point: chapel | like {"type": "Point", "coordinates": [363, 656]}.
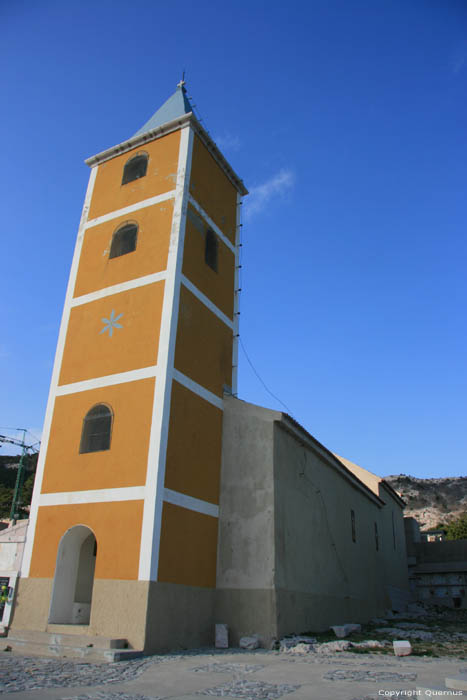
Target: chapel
{"type": "Point", "coordinates": [163, 503]}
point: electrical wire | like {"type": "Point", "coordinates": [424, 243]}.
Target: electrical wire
{"type": "Point", "coordinates": [263, 383]}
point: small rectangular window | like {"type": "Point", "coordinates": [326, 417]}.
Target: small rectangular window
{"type": "Point", "coordinates": [376, 537]}
{"type": "Point", "coordinates": [211, 250]}
{"type": "Point", "coordinates": [393, 530]}
{"type": "Point", "coordinates": [352, 521]}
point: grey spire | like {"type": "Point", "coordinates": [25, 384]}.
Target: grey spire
{"type": "Point", "coordinates": [177, 105]}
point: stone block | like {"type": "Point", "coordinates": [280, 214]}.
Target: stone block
{"type": "Point", "coordinates": [249, 643]}
{"type": "Point", "coordinates": [222, 637]}
{"type": "Point", "coordinates": [402, 648]}
{"type": "Point", "coordinates": [287, 643]}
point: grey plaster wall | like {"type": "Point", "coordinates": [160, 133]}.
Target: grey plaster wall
{"type": "Point", "coordinates": [246, 560]}
{"type": "Point", "coordinates": [246, 523]}
{"type": "Point", "coordinates": [248, 611]}
{"type": "Point", "coordinates": [179, 617]}
{"type": "Point", "coordinates": [323, 577]}
{"type": "Point", "coordinates": [286, 559]}
{"type": "Point", "coordinates": [393, 549]}
{"type": "Point", "coordinates": [412, 535]}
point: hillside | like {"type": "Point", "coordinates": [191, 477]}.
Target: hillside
{"type": "Point", "coordinates": [431, 501]}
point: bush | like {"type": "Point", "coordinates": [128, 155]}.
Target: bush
{"type": "Point", "coordinates": [457, 529]}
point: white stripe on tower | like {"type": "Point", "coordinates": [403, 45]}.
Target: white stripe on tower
{"type": "Point", "coordinates": [152, 514]}
{"type": "Point", "coordinates": [206, 301]}
{"type": "Point", "coordinates": [118, 288]}
{"type": "Point", "coordinates": [184, 501]}
{"type": "Point", "coordinates": [132, 208]}
{"type": "Point", "coordinates": [55, 375]}
{"type": "Point", "coordinates": [129, 493]}
{"type": "Point", "coordinates": [211, 223]}
{"type": "Point", "coordinates": [197, 389]}
{"type": "Point", "coordinates": [133, 375]}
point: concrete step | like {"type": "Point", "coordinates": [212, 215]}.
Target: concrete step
{"type": "Point", "coordinates": [62, 634]}
{"type": "Point", "coordinates": [457, 682]}
{"type": "Point", "coordinates": [77, 646]}
{"type": "Point", "coordinates": [67, 629]}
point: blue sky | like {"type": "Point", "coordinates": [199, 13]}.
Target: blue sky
{"type": "Point", "coordinates": [346, 120]}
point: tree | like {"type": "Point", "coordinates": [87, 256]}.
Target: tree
{"type": "Point", "coordinates": [457, 529]}
{"type": "Point", "coordinates": [6, 496]}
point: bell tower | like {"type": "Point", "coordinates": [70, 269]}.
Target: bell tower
{"type": "Point", "coordinates": [123, 527]}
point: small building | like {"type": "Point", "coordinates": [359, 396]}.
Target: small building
{"type": "Point", "coordinates": [437, 570]}
{"type": "Point", "coordinates": [432, 536]}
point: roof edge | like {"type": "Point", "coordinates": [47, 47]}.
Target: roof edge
{"type": "Point", "coordinates": [294, 427]}
{"type": "Point", "coordinates": [167, 128]}
{"type": "Point", "coordinates": [392, 492]}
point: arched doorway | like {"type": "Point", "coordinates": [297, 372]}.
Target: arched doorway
{"type": "Point", "coordinates": [74, 577]}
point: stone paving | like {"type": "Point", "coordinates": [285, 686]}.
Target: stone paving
{"type": "Point", "coordinates": [111, 696]}
{"type": "Point", "coordinates": [249, 690]}
{"type": "Point", "coordinates": [228, 668]}
{"type": "Point", "coordinates": [229, 673]}
{"type": "Point", "coordinates": [372, 676]}
{"type": "Point", "coordinates": [30, 673]}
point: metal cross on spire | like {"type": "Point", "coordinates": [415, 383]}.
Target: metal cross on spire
{"type": "Point", "coordinates": [182, 81]}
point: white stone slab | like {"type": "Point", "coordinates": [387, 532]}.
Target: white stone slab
{"type": "Point", "coordinates": [402, 648]}
{"type": "Point", "coordinates": [222, 636]}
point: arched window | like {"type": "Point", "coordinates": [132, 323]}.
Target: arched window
{"type": "Point", "coordinates": [124, 240]}
{"type": "Point", "coordinates": [211, 250]}
{"type": "Point", "coordinates": [135, 168]}
{"type": "Point", "coordinates": [97, 428]}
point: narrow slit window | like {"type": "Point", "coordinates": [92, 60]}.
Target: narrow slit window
{"type": "Point", "coordinates": [352, 523]}
{"type": "Point", "coordinates": [211, 250]}
{"type": "Point", "coordinates": [97, 429]}
{"type": "Point", "coordinates": [376, 537]}
{"type": "Point", "coordinates": [135, 168]}
{"type": "Point", "coordinates": [124, 240]}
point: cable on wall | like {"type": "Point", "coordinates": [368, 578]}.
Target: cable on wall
{"type": "Point", "coordinates": [262, 382]}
